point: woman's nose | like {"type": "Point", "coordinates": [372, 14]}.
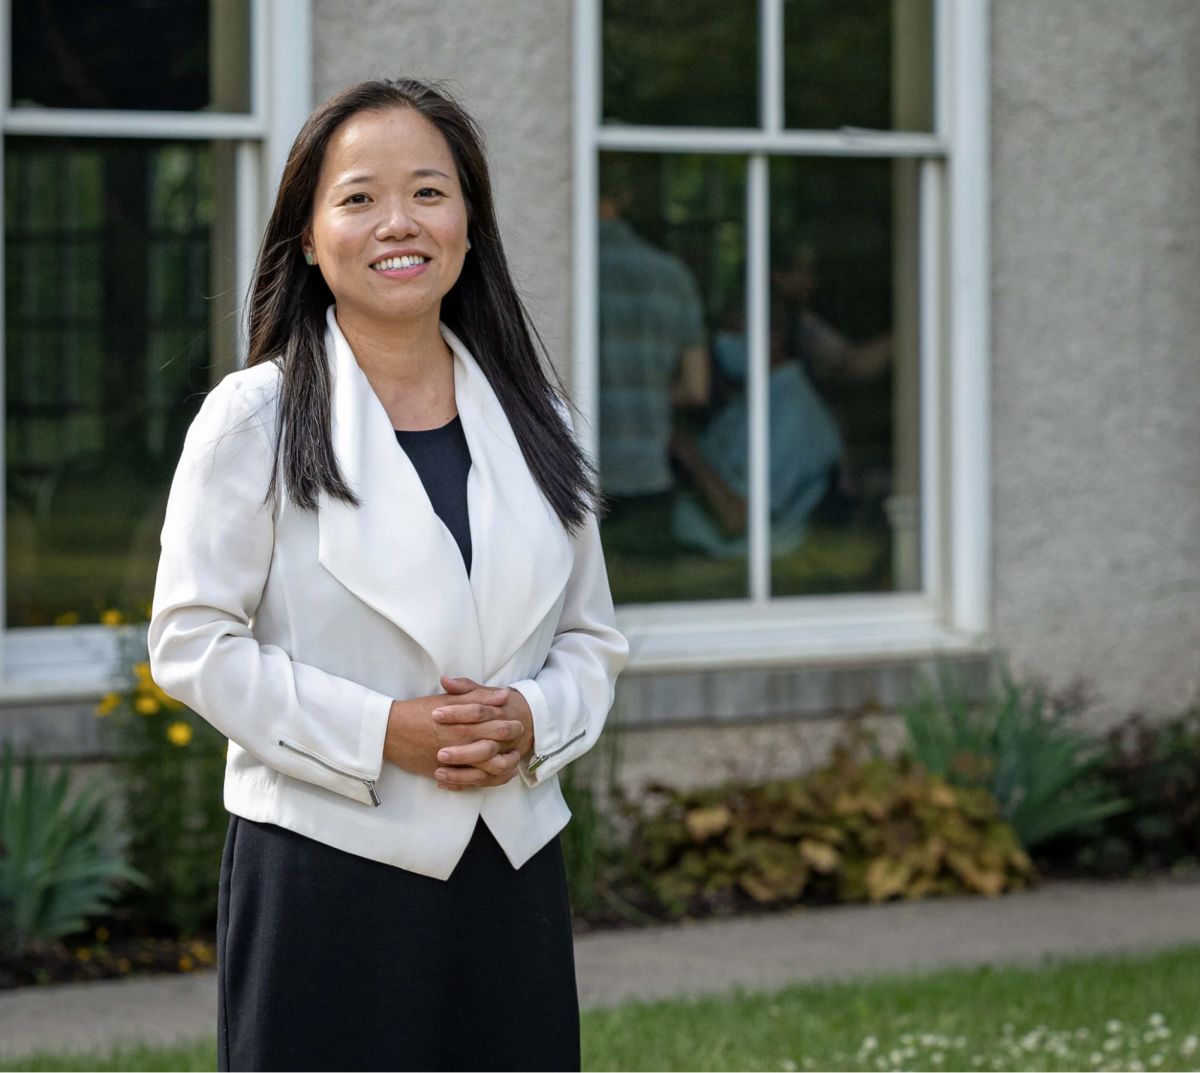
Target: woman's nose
{"type": "Point", "coordinates": [397, 222]}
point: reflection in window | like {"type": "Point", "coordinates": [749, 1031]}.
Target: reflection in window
{"type": "Point", "coordinates": [109, 261]}
{"type": "Point", "coordinates": [668, 63]}
{"type": "Point", "coordinates": [672, 272]}
{"type": "Point", "coordinates": [843, 422]}
{"type": "Point", "coordinates": [146, 55]}
{"type": "Point", "coordinates": [858, 63]}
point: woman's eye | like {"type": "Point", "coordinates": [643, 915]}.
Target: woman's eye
{"type": "Point", "coordinates": [429, 191]}
{"type": "Point", "coordinates": [357, 199]}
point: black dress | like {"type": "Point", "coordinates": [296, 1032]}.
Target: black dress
{"type": "Point", "coordinates": [329, 961]}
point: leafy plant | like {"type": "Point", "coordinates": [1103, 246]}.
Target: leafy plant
{"type": "Point", "coordinates": [172, 770]}
{"type": "Point", "coordinates": [61, 858]}
{"type": "Point", "coordinates": [1020, 747]}
{"type": "Point", "coordinates": [1155, 766]}
{"type": "Point", "coordinates": [854, 831]}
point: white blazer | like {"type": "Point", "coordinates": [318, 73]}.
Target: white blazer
{"type": "Point", "coordinates": [292, 631]}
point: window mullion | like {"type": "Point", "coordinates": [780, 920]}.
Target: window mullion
{"type": "Point", "coordinates": [930, 320]}
{"type": "Point", "coordinates": [585, 374]}
{"type": "Point", "coordinates": [770, 65]}
{"type": "Point", "coordinates": [247, 198]}
{"type": "Point", "coordinates": [758, 329]}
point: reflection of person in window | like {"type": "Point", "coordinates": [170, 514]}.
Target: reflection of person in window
{"type": "Point", "coordinates": [806, 446]}
{"type": "Point", "coordinates": [804, 449]}
{"type": "Point", "coordinates": [653, 357]}
{"type": "Point", "coordinates": [827, 355]}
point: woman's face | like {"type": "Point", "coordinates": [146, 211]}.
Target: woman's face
{"type": "Point", "coordinates": [389, 223]}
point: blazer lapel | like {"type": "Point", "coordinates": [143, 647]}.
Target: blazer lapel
{"type": "Point", "coordinates": [521, 554]}
{"type": "Point", "coordinates": [392, 551]}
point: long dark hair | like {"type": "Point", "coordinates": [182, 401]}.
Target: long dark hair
{"type": "Point", "coordinates": [289, 299]}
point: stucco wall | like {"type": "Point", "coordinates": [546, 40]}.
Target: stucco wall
{"type": "Point", "coordinates": [510, 64]}
{"type": "Point", "coordinates": [1096, 285]}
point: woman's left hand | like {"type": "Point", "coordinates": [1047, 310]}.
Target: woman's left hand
{"type": "Point", "coordinates": [484, 762]}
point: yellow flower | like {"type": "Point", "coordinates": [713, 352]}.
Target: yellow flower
{"type": "Point", "coordinates": [180, 733]}
{"type": "Point", "coordinates": [147, 686]}
{"type": "Point", "coordinates": [123, 965]}
{"type": "Point", "coordinates": [102, 934]}
{"type": "Point", "coordinates": [108, 703]}
{"type": "Point", "coordinates": [147, 705]}
{"type": "Point", "coordinates": [84, 954]}
{"type": "Point", "coordinates": [67, 618]}
{"type": "Point", "coordinates": [111, 617]}
{"type": "Point", "coordinates": [186, 964]}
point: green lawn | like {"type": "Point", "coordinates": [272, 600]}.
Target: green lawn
{"type": "Point", "coordinates": [1108, 1013]}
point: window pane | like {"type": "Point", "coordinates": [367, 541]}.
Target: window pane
{"type": "Point", "coordinates": [108, 263]}
{"type": "Point", "coordinates": [668, 63]}
{"type": "Point", "coordinates": [843, 389]}
{"type": "Point", "coordinates": [672, 305]}
{"type": "Point", "coordinates": [147, 55]}
{"type": "Point", "coordinates": [858, 63]}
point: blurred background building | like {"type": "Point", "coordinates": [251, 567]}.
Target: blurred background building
{"type": "Point", "coordinates": [880, 316]}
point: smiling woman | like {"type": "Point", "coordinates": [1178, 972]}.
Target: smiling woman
{"type": "Point", "coordinates": [382, 579]}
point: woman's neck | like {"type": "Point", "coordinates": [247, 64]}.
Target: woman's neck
{"type": "Point", "coordinates": [408, 365]}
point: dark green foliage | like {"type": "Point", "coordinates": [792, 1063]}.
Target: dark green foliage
{"type": "Point", "coordinates": [1020, 747]}
{"type": "Point", "coordinates": [1155, 766]}
{"type": "Point", "coordinates": [61, 858]}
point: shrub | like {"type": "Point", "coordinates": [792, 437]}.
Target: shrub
{"type": "Point", "coordinates": [854, 831]}
{"type": "Point", "coordinates": [1155, 766]}
{"type": "Point", "coordinates": [1017, 745]}
{"type": "Point", "coordinates": [172, 770]}
{"type": "Point", "coordinates": [61, 859]}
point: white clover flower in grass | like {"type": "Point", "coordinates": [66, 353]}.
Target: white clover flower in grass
{"type": "Point", "coordinates": [937, 1058]}
{"type": "Point", "coordinates": [1081, 1033]}
{"type": "Point", "coordinates": [1096, 1058]}
{"type": "Point", "coordinates": [1156, 1059]}
{"type": "Point", "coordinates": [1112, 1044]}
{"type": "Point", "coordinates": [1113, 1027]}
{"type": "Point", "coordinates": [977, 1060]}
{"type": "Point", "coordinates": [1157, 1020]}
{"type": "Point", "coordinates": [1189, 1045]}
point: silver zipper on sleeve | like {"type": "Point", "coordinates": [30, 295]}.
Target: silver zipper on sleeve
{"type": "Point", "coordinates": [368, 783]}
{"type": "Point", "coordinates": [540, 758]}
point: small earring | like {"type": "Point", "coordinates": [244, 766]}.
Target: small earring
{"type": "Point", "coordinates": [309, 259]}
{"type": "Point", "coordinates": [468, 244]}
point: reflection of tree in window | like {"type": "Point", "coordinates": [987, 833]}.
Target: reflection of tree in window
{"type": "Point", "coordinates": [148, 55]}
{"type": "Point", "coordinates": [107, 339]}
{"type": "Point", "coordinates": [669, 63]}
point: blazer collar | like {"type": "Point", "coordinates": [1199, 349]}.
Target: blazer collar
{"type": "Point", "coordinates": [396, 555]}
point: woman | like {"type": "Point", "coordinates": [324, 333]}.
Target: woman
{"type": "Point", "coordinates": [381, 578]}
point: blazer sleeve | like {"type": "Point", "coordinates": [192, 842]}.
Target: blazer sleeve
{"type": "Point", "coordinates": [217, 544]}
{"type": "Point", "coordinates": [572, 693]}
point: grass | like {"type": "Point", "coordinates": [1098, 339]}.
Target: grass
{"type": "Point", "coordinates": [1140, 1014]}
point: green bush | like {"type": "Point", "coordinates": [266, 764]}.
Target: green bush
{"type": "Point", "coordinates": [1155, 766]}
{"type": "Point", "coordinates": [172, 771]}
{"type": "Point", "coordinates": [854, 831]}
{"type": "Point", "coordinates": [61, 858]}
{"type": "Point", "coordinates": [1018, 746]}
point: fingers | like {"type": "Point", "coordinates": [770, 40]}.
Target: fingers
{"type": "Point", "coordinates": [476, 752]}
{"type": "Point", "coordinates": [480, 705]}
{"type": "Point", "coordinates": [458, 685]}
{"type": "Point", "coordinates": [495, 772]}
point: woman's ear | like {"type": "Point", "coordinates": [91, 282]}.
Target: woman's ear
{"type": "Point", "coordinates": [306, 245]}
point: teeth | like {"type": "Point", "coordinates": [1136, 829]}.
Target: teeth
{"type": "Point", "coordinates": [410, 260]}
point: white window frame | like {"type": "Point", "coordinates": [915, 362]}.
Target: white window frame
{"type": "Point", "coordinates": [74, 663]}
{"type": "Point", "coordinates": [952, 612]}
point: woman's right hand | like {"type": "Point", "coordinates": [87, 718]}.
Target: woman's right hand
{"type": "Point", "coordinates": [414, 738]}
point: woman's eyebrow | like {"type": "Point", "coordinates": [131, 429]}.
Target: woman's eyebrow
{"type": "Point", "coordinates": [366, 177]}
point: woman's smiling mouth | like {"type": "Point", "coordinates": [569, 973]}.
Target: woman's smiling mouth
{"type": "Point", "coordinates": [405, 265]}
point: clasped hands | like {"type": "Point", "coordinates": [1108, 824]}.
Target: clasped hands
{"type": "Point", "coordinates": [468, 736]}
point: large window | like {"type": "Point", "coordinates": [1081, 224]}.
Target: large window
{"type": "Point", "coordinates": [141, 140]}
{"type": "Point", "coordinates": [781, 319]}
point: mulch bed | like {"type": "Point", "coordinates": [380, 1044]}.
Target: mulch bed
{"type": "Point", "coordinates": [100, 956]}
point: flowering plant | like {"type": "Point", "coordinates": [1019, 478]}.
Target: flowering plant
{"type": "Point", "coordinates": [172, 768]}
